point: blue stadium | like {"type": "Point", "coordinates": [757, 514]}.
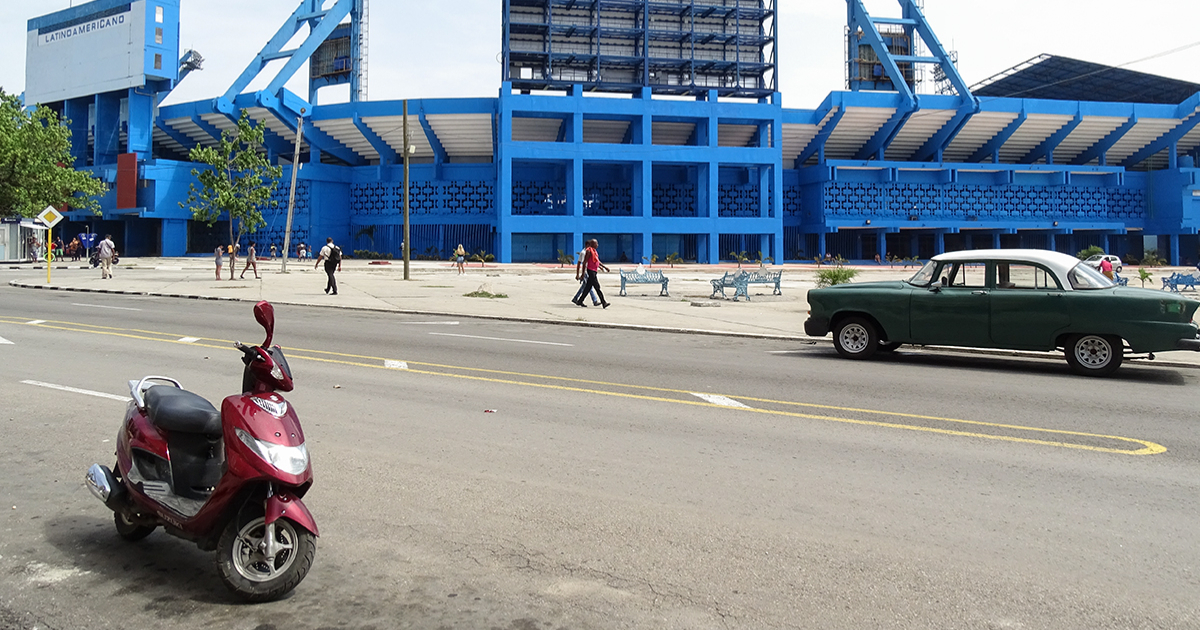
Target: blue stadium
{"type": "Point", "coordinates": [653, 126]}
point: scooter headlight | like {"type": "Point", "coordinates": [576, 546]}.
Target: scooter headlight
{"type": "Point", "coordinates": [292, 460]}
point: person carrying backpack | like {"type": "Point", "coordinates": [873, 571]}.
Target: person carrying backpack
{"type": "Point", "coordinates": [332, 255]}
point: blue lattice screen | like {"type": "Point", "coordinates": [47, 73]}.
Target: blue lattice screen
{"type": "Point", "coordinates": [675, 200]}
{"type": "Point", "coordinates": [608, 199]}
{"type": "Point", "coordinates": [547, 198]}
{"type": "Point", "coordinates": [276, 218]}
{"type": "Point", "coordinates": [428, 198]}
{"type": "Point", "coordinates": [792, 204]}
{"type": "Point", "coordinates": [739, 200]}
{"type": "Point", "coordinates": [964, 201]}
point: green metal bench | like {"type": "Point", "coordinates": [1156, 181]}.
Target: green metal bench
{"type": "Point", "coordinates": [645, 277]}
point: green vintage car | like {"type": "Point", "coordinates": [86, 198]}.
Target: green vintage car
{"type": "Point", "coordinates": [1019, 299]}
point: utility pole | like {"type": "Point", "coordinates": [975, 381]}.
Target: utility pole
{"type": "Point", "coordinates": [287, 234]}
{"type": "Point", "coordinates": [407, 150]}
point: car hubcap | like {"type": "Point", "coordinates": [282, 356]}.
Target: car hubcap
{"type": "Point", "coordinates": [263, 552]}
{"type": "Point", "coordinates": [854, 338]}
{"type": "Point", "coordinates": [1093, 352]}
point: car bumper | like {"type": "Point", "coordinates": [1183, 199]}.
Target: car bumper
{"type": "Point", "coordinates": [816, 327]}
{"type": "Point", "coordinates": [1188, 344]}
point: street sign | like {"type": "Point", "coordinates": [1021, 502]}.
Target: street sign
{"type": "Point", "coordinates": [50, 217]}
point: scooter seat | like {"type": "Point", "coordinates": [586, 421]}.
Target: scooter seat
{"type": "Point", "coordinates": [178, 410]}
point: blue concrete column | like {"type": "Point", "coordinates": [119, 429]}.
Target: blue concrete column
{"type": "Point", "coordinates": [141, 124]}
{"type": "Point", "coordinates": [939, 243]}
{"type": "Point", "coordinates": [647, 245]}
{"type": "Point", "coordinates": [575, 187]}
{"type": "Point", "coordinates": [1174, 250]}
{"type": "Point", "coordinates": [822, 244]}
{"type": "Point", "coordinates": [765, 178]}
{"type": "Point", "coordinates": [1052, 242]}
{"type": "Point", "coordinates": [710, 183]}
{"type": "Point", "coordinates": [174, 237]}
{"type": "Point", "coordinates": [577, 239]}
{"type": "Point", "coordinates": [914, 244]}
{"type": "Point", "coordinates": [995, 240]}
{"type": "Point", "coordinates": [881, 247]}
{"type": "Point", "coordinates": [76, 111]}
{"type": "Point", "coordinates": [713, 242]}
{"type": "Point", "coordinates": [504, 177]}
{"type": "Point", "coordinates": [108, 129]}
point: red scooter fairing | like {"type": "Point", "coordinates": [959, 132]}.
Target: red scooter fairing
{"type": "Point", "coordinates": [264, 428]}
{"type": "Point", "coordinates": [283, 504]}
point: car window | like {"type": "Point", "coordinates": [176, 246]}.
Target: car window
{"type": "Point", "coordinates": [924, 276]}
{"type": "Point", "coordinates": [964, 275]}
{"type": "Point", "coordinates": [1093, 258]}
{"type": "Point", "coordinates": [1083, 277]}
{"type": "Point", "coordinates": [1023, 276]}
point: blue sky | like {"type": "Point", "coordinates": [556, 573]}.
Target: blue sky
{"type": "Point", "coordinates": [449, 48]}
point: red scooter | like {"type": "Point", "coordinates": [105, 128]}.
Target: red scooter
{"type": "Point", "coordinates": [229, 481]}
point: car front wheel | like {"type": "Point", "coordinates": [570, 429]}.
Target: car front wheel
{"type": "Point", "coordinates": [856, 338]}
{"type": "Point", "coordinates": [1094, 355]}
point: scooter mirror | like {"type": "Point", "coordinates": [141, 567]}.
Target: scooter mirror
{"type": "Point", "coordinates": [265, 314]}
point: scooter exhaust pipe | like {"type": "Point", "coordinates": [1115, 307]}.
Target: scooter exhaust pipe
{"type": "Point", "coordinates": [104, 486]}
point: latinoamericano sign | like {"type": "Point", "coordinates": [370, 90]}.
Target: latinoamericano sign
{"type": "Point", "coordinates": [91, 26]}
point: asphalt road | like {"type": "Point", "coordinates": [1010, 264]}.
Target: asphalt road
{"type": "Point", "coordinates": [526, 477]}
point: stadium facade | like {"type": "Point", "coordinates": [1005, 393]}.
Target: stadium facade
{"type": "Point", "coordinates": [654, 126]}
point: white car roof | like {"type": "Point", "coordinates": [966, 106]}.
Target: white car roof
{"type": "Point", "coordinates": [1061, 264]}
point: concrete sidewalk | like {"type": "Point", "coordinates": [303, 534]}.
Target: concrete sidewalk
{"type": "Point", "coordinates": [534, 293]}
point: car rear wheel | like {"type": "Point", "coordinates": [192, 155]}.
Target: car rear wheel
{"type": "Point", "coordinates": [856, 338]}
{"type": "Point", "coordinates": [1094, 355]}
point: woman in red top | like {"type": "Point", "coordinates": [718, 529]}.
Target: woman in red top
{"type": "Point", "coordinates": [592, 265]}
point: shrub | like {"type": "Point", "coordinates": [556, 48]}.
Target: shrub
{"type": "Point", "coordinates": [366, 254]}
{"type": "Point", "coordinates": [1152, 260]}
{"type": "Point", "coordinates": [673, 258]}
{"type": "Point", "coordinates": [1089, 252]}
{"type": "Point", "coordinates": [835, 275]}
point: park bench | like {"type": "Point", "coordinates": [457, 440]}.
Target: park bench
{"type": "Point", "coordinates": [1121, 282]}
{"type": "Point", "coordinates": [741, 281]}
{"type": "Point", "coordinates": [1178, 282]}
{"type": "Point", "coordinates": [643, 276]}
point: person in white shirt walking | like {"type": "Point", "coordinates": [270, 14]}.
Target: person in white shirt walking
{"type": "Point", "coordinates": [107, 251]}
{"type": "Point", "coordinates": [332, 255]}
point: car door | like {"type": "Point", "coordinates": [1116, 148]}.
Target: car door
{"type": "Point", "coordinates": [1028, 307]}
{"type": "Point", "coordinates": [955, 310]}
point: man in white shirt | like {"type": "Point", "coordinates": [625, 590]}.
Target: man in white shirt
{"type": "Point", "coordinates": [332, 255]}
{"type": "Point", "coordinates": [107, 251]}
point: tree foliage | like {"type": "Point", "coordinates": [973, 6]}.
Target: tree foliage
{"type": "Point", "coordinates": [36, 166]}
{"type": "Point", "coordinates": [236, 180]}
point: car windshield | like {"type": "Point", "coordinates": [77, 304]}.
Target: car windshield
{"type": "Point", "coordinates": [1086, 277]}
{"type": "Point", "coordinates": [1094, 258]}
{"type": "Point", "coordinates": [924, 276]}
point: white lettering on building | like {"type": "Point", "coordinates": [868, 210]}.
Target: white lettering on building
{"type": "Point", "coordinates": [86, 28]}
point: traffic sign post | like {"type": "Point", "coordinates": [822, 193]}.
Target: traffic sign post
{"type": "Point", "coordinates": [50, 218]}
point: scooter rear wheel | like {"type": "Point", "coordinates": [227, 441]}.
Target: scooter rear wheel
{"type": "Point", "coordinates": [129, 530]}
{"type": "Point", "coordinates": [261, 563]}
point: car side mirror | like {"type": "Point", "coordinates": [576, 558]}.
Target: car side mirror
{"type": "Point", "coordinates": [933, 288]}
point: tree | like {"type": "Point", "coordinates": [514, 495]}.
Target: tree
{"type": "Point", "coordinates": [36, 167]}
{"type": "Point", "coordinates": [236, 180]}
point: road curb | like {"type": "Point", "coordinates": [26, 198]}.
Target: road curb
{"type": "Point", "coordinates": [608, 325]}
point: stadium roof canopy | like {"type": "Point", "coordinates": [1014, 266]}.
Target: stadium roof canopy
{"type": "Point", "coordinates": [1052, 77]}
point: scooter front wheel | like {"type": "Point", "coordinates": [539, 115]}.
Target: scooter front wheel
{"type": "Point", "coordinates": [261, 562]}
{"type": "Point", "coordinates": [129, 530]}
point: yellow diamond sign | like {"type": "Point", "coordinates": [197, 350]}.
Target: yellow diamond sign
{"type": "Point", "coordinates": [50, 217]}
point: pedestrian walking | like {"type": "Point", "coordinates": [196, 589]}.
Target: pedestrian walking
{"type": "Point", "coordinates": [107, 251]}
{"type": "Point", "coordinates": [582, 278]}
{"type": "Point", "coordinates": [332, 255]}
{"type": "Point", "coordinates": [233, 252]}
{"type": "Point", "coordinates": [274, 251]}
{"type": "Point", "coordinates": [300, 251]}
{"type": "Point", "coordinates": [460, 259]}
{"type": "Point", "coordinates": [219, 253]}
{"type": "Point", "coordinates": [251, 260]}
{"type": "Point", "coordinates": [592, 266]}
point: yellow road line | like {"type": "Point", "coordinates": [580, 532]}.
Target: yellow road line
{"type": "Point", "coordinates": [582, 386]}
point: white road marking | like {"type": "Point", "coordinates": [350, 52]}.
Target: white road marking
{"type": "Point", "coordinates": [115, 308]}
{"type": "Point", "coordinates": [395, 365]}
{"type": "Point", "coordinates": [541, 343]}
{"type": "Point", "coordinates": [5, 342]}
{"type": "Point", "coordinates": [720, 400]}
{"type": "Point", "coordinates": [427, 323]}
{"type": "Point", "coordinates": [76, 390]}
{"type": "Point", "coordinates": [188, 340]}
{"type": "Point", "coordinates": [36, 322]}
